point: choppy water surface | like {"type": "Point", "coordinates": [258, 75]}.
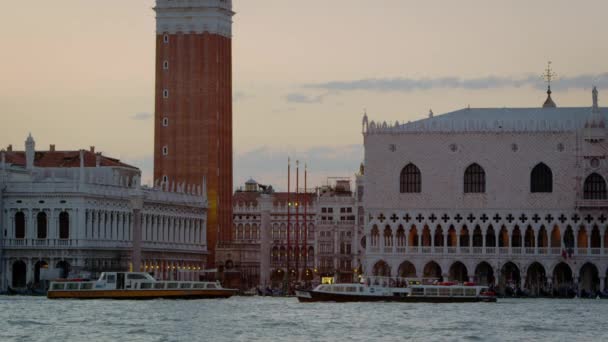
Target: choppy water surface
{"type": "Point", "coordinates": [284, 319]}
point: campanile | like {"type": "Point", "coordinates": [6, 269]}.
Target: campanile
{"type": "Point", "coordinates": [193, 104]}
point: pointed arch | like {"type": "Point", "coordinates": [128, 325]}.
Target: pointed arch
{"type": "Point", "coordinates": [474, 179]}
{"type": "Point", "coordinates": [556, 237]}
{"type": "Point", "coordinates": [410, 180]}
{"type": "Point", "coordinates": [41, 225]}
{"type": "Point", "coordinates": [407, 270]}
{"type": "Point", "coordinates": [438, 236]}
{"type": "Point", "coordinates": [541, 178]}
{"type": "Point", "coordinates": [432, 270]}
{"type": "Point", "coordinates": [595, 187]}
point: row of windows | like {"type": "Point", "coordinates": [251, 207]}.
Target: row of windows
{"type": "Point", "coordinates": [474, 181]}
{"type": "Point", "coordinates": [42, 225]}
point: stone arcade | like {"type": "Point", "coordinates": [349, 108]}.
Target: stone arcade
{"type": "Point", "coordinates": [511, 196]}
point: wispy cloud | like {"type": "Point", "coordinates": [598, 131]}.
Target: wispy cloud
{"type": "Point", "coordinates": [305, 99]}
{"type": "Point", "coordinates": [403, 84]}
{"type": "Point", "coordinates": [143, 116]}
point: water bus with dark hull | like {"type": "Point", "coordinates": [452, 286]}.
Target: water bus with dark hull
{"type": "Point", "coordinates": [405, 291]}
{"type": "Point", "coordinates": [136, 285]}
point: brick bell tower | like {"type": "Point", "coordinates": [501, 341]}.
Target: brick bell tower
{"type": "Point", "coordinates": [193, 104]}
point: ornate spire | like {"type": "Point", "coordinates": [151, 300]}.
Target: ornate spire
{"type": "Point", "coordinates": [548, 76]}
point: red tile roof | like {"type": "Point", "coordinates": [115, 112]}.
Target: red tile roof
{"type": "Point", "coordinates": [63, 159]}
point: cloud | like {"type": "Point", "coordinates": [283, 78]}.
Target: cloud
{"type": "Point", "coordinates": [305, 99]}
{"type": "Point", "coordinates": [401, 84]}
{"type": "Point", "coordinates": [143, 116]}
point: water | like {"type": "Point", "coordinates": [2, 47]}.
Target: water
{"type": "Point", "coordinates": [284, 319]}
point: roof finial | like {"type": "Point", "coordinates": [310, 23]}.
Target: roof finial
{"type": "Point", "coordinates": [430, 113]}
{"type": "Point", "coordinates": [549, 76]}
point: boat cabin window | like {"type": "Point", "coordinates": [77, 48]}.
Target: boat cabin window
{"type": "Point", "coordinates": [171, 285]}
{"type": "Point", "coordinates": [86, 286]}
{"type": "Point", "coordinates": [185, 285]}
{"type": "Point", "coordinates": [431, 292]}
{"type": "Point", "coordinates": [470, 292]}
{"type": "Point", "coordinates": [444, 291]}
{"type": "Point", "coordinates": [199, 285]}
{"type": "Point", "coordinates": [351, 289]}
{"type": "Point", "coordinates": [418, 291]}
{"type": "Point", "coordinates": [339, 289]}
{"type": "Point", "coordinates": [159, 285]}
{"type": "Point", "coordinates": [211, 286]}
{"type": "Point", "coordinates": [360, 288]}
{"type": "Point", "coordinates": [136, 277]}
{"type": "Point", "coordinates": [111, 278]}
{"type": "Point", "coordinates": [72, 286]}
{"type": "Point", "coordinates": [457, 291]}
{"type": "Point", "coordinates": [58, 286]}
{"type": "Point", "coordinates": [145, 285]}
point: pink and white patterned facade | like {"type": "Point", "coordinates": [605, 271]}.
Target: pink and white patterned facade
{"type": "Point", "coordinates": [493, 195]}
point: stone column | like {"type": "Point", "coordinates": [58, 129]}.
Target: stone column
{"type": "Point", "coordinates": [457, 242]}
{"type": "Point", "coordinates": [265, 204]}
{"type": "Point", "coordinates": [602, 283]}
{"type": "Point", "coordinates": [137, 203]}
{"type": "Point", "coordinates": [602, 244]}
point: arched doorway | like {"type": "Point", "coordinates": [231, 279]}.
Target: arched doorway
{"type": "Point", "coordinates": [536, 280]}
{"type": "Point", "coordinates": [407, 270]}
{"type": "Point", "coordinates": [510, 279]}
{"type": "Point", "coordinates": [562, 281]}
{"type": "Point", "coordinates": [458, 272]}
{"type": "Point", "coordinates": [432, 270]}
{"type": "Point", "coordinates": [64, 266]}
{"type": "Point", "coordinates": [589, 281]}
{"type": "Point", "coordinates": [484, 274]}
{"type": "Point", "coordinates": [381, 269]}
{"type": "Point", "coordinates": [19, 274]}
{"type": "Point", "coordinates": [41, 264]}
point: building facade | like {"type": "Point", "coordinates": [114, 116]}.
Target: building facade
{"type": "Point", "coordinates": [65, 213]}
{"type": "Point", "coordinates": [509, 196]}
{"type": "Point", "coordinates": [319, 244]}
{"type": "Point", "coordinates": [193, 107]}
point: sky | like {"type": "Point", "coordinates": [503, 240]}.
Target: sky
{"type": "Point", "coordinates": [80, 73]}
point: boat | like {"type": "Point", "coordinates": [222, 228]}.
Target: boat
{"type": "Point", "coordinates": [409, 291]}
{"type": "Point", "coordinates": [135, 285]}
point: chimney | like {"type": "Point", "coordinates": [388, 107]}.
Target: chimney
{"type": "Point", "coordinates": [9, 148]}
{"type": "Point", "coordinates": [97, 158]}
{"type": "Point", "coordinates": [92, 149]}
{"type": "Point", "coordinates": [52, 148]}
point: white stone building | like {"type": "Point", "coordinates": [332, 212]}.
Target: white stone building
{"type": "Point", "coordinates": [511, 196]}
{"type": "Point", "coordinates": [65, 212]}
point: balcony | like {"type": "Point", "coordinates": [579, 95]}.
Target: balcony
{"type": "Point", "coordinates": [466, 250]}
{"type": "Point", "coordinates": [591, 204]}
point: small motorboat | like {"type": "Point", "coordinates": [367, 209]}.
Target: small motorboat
{"type": "Point", "coordinates": [136, 285]}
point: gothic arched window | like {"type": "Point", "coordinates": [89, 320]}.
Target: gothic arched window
{"type": "Point", "coordinates": [410, 180]}
{"type": "Point", "coordinates": [474, 179]}
{"type": "Point", "coordinates": [541, 179]}
{"type": "Point", "coordinates": [595, 187]}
